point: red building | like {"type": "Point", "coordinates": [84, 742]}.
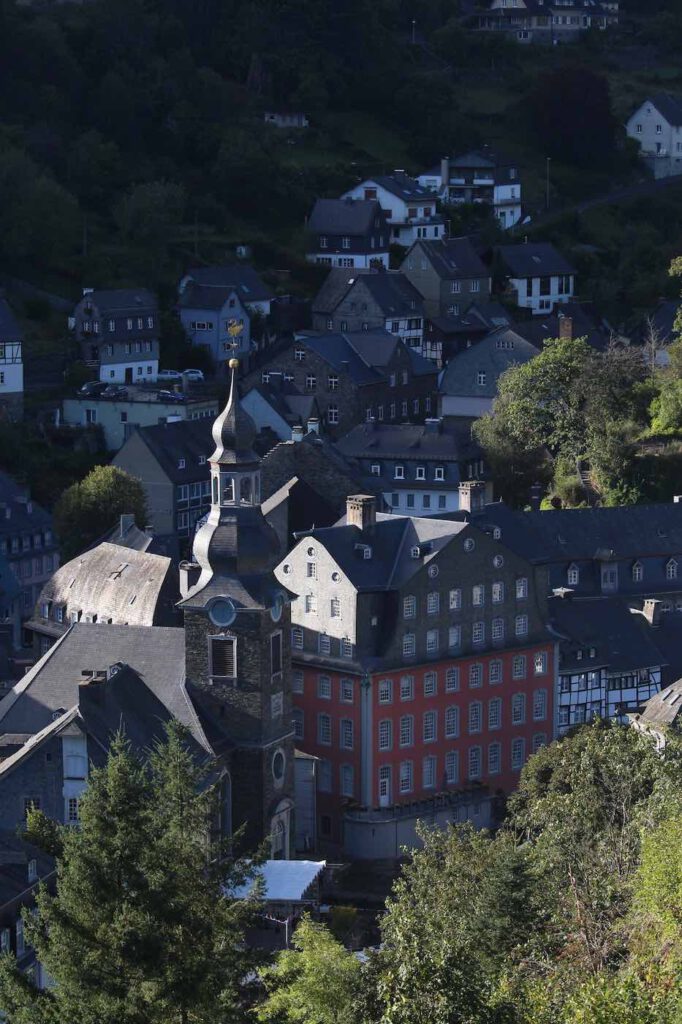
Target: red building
{"type": "Point", "coordinates": [422, 665]}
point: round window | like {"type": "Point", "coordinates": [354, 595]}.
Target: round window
{"type": "Point", "coordinates": [287, 569]}
{"type": "Point", "coordinates": [311, 551]}
{"type": "Point", "coordinates": [222, 612]}
{"type": "Point", "coordinates": [336, 576]}
{"type": "Point", "coordinates": [498, 561]}
{"type": "Point", "coordinates": [278, 765]}
{"type": "Point", "coordinates": [433, 571]}
{"type": "Point", "coordinates": [277, 608]}
{"type": "Point", "coordinates": [469, 544]}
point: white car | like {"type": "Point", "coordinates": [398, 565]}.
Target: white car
{"type": "Point", "coordinates": [169, 375]}
{"type": "Point", "coordinates": [196, 376]}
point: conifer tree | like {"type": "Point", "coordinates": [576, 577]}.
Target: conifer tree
{"type": "Point", "coordinates": [139, 930]}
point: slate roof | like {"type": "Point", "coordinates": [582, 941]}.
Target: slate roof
{"type": "Point", "coordinates": [121, 584]}
{"type": "Point", "coordinates": [669, 107]}
{"type": "Point", "coordinates": [289, 403]}
{"type": "Point", "coordinates": [478, 159]}
{"type": "Point", "coordinates": [663, 319]}
{"type": "Point", "coordinates": [391, 540]}
{"type": "Point", "coordinates": [122, 300]}
{"type": "Point", "coordinates": [453, 258]}
{"type": "Point", "coordinates": [15, 495]}
{"type": "Point", "coordinates": [184, 439]}
{"type": "Point", "coordinates": [344, 216]}
{"type": "Point", "coordinates": [480, 317]}
{"type": "Point", "coordinates": [534, 259]}
{"type": "Point", "coordinates": [362, 354]}
{"type": "Point", "coordinates": [390, 289]}
{"type": "Point", "coordinates": [558, 535]}
{"type": "Point", "coordinates": [622, 639]}
{"type": "Point", "coordinates": [15, 853]}
{"type": "Point", "coordinates": [492, 355]}
{"type": "Point", "coordinates": [241, 276]}
{"type": "Point", "coordinates": [407, 441]}
{"type": "Point", "coordinates": [156, 654]}
{"type": "Point", "coordinates": [537, 330]}
{"type": "Point", "coordinates": [9, 328]}
{"type": "Point", "coordinates": [402, 185]}
{"type": "Point", "coordinates": [664, 707]}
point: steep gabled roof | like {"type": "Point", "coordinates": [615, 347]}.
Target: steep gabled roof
{"type": "Point", "coordinates": [620, 638]}
{"type": "Point", "coordinates": [669, 107]}
{"type": "Point", "coordinates": [211, 287]}
{"type": "Point", "coordinates": [402, 186]}
{"type": "Point", "coordinates": [492, 355]}
{"type": "Point", "coordinates": [453, 258]}
{"type": "Point", "coordinates": [408, 441]}
{"type": "Point", "coordinates": [393, 293]}
{"type": "Point", "coordinates": [170, 443]}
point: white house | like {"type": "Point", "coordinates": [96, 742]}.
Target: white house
{"type": "Point", "coordinates": [11, 364]}
{"type": "Point", "coordinates": [410, 207]}
{"type": "Point", "coordinates": [547, 21]}
{"type": "Point", "coordinates": [538, 275]}
{"type": "Point", "coordinates": [480, 176]}
{"type": "Point", "coordinates": [657, 126]}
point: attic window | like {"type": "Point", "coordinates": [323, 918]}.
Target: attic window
{"type": "Point", "coordinates": [202, 460]}
{"type": "Point", "coordinates": [181, 463]}
{"type": "Point", "coordinates": [497, 533]}
{"type": "Point", "coordinates": [416, 552]}
{"type": "Point", "coordinates": [365, 550]}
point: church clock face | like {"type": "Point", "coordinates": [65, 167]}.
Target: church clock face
{"type": "Point", "coordinates": [222, 612]}
{"type": "Point", "coordinates": [277, 608]}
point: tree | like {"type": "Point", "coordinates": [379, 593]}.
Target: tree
{"type": "Point", "coordinates": [449, 924]}
{"type": "Point", "coordinates": [86, 510]}
{"type": "Point", "coordinates": [316, 982]}
{"type": "Point", "coordinates": [139, 931]}
{"type": "Point", "coordinates": [570, 112]}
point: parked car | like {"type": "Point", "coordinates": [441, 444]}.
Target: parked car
{"type": "Point", "coordinates": [115, 391]}
{"type": "Point", "coordinates": [170, 396]}
{"type": "Point", "coordinates": [169, 375]}
{"type": "Point", "coordinates": [195, 376]}
{"type": "Point", "coordinates": [92, 388]}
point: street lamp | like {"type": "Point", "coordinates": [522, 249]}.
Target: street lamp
{"type": "Point", "coordinates": [549, 160]}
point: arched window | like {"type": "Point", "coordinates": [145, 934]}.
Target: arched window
{"type": "Point", "coordinates": [245, 490]}
{"type": "Point", "coordinates": [215, 490]}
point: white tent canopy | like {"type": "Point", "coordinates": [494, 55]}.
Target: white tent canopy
{"type": "Point", "coordinates": [284, 881]}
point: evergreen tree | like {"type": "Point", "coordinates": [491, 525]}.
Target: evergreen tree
{"type": "Point", "coordinates": [139, 930]}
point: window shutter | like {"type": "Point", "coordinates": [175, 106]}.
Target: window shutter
{"type": "Point", "coordinates": [223, 657]}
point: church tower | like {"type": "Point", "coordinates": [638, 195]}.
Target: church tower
{"type": "Point", "coordinates": [237, 635]}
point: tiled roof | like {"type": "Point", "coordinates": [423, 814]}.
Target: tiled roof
{"type": "Point", "coordinates": [402, 185]}
{"type": "Point", "coordinates": [539, 329]}
{"type": "Point", "coordinates": [344, 216]}
{"type": "Point", "coordinates": [480, 317]}
{"type": "Point", "coordinates": [210, 287]}
{"type": "Point", "coordinates": [664, 707]}
{"type": "Point", "coordinates": [491, 355]}
{"type": "Point", "coordinates": [559, 535]}
{"type": "Point", "coordinates": [534, 259]}
{"type": "Point", "coordinates": [394, 294]}
{"type": "Point", "coordinates": [670, 107]}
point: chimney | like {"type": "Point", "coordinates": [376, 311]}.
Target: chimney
{"type": "Point", "coordinates": [313, 425]}
{"type": "Point", "coordinates": [471, 495]}
{"type": "Point", "coordinates": [189, 574]}
{"type": "Point", "coordinates": [88, 291]}
{"type": "Point", "coordinates": [535, 496]}
{"type": "Point", "coordinates": [445, 171]}
{"type": "Point", "coordinates": [361, 510]}
{"type": "Point", "coordinates": [652, 611]}
{"type": "Point", "coordinates": [297, 433]}
{"type": "Point", "coordinates": [127, 523]}
{"type": "Point", "coordinates": [90, 686]}
{"type": "Point", "coordinates": [565, 327]}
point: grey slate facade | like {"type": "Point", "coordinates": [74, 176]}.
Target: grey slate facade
{"type": "Point", "coordinates": [117, 330]}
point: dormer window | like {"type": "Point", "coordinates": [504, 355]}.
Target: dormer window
{"type": "Point", "coordinates": [637, 572]}
{"type": "Point", "coordinates": [202, 460]}
{"type": "Point", "coordinates": [181, 463]}
{"type": "Point", "coordinates": [573, 575]}
{"type": "Point", "coordinates": [421, 473]}
{"type": "Point", "coordinates": [671, 570]}
{"type": "Point", "coordinates": [399, 473]}
{"type": "Point", "coordinates": [375, 469]}
{"type": "Point", "coordinates": [439, 473]}
{"type": "Point", "coordinates": [416, 552]}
